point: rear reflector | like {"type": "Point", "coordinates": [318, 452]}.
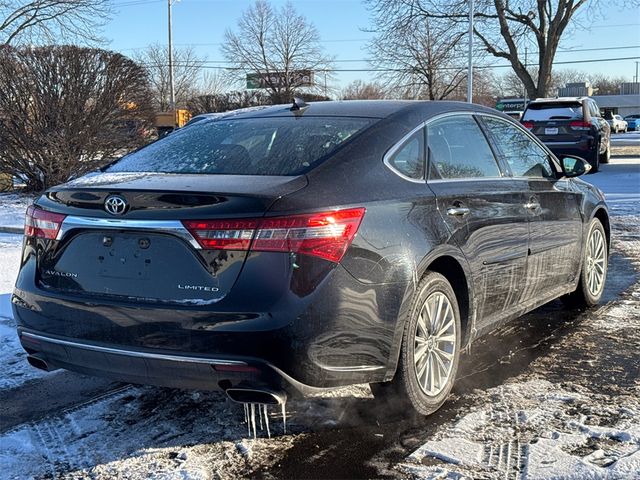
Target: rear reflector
{"type": "Point", "coordinates": [326, 235]}
{"type": "Point", "coordinates": [528, 125]}
{"type": "Point", "coordinates": [42, 224]}
{"type": "Point", "coordinates": [236, 368]}
{"type": "Point", "coordinates": [580, 125]}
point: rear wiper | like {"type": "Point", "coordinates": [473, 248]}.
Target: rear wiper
{"type": "Point", "coordinates": [559, 117]}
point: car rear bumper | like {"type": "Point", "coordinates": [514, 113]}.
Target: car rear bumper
{"type": "Point", "coordinates": [158, 368]}
{"type": "Point", "coordinates": [341, 332]}
{"type": "Point", "coordinates": [583, 148]}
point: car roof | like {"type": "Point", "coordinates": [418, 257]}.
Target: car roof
{"type": "Point", "coordinates": [357, 108]}
{"type": "Point", "coordinates": [558, 100]}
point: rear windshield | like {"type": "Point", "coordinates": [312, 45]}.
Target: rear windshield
{"type": "Point", "coordinates": [553, 111]}
{"type": "Point", "coordinates": [255, 146]}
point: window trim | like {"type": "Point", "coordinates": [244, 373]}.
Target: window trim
{"type": "Point", "coordinates": [386, 159]}
{"type": "Point", "coordinates": [472, 114]}
{"type": "Point", "coordinates": [550, 156]}
{"type": "Point", "coordinates": [505, 174]}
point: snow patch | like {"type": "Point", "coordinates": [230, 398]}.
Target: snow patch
{"type": "Point", "coordinates": [534, 429]}
{"type": "Point", "coordinates": [12, 209]}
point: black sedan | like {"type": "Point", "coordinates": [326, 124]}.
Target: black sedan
{"type": "Point", "coordinates": [294, 248]}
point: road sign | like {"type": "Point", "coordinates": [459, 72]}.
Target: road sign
{"type": "Point", "coordinates": [297, 78]}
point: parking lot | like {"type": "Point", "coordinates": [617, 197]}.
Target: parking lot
{"type": "Point", "coordinates": [554, 393]}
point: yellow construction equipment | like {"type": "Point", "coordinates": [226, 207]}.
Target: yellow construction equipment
{"type": "Point", "coordinates": [166, 122]}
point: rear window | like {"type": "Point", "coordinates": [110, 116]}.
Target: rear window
{"type": "Point", "coordinates": [255, 146]}
{"type": "Point", "coordinates": [553, 111]}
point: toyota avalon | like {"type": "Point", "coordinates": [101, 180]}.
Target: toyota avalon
{"type": "Point", "coordinates": [300, 247]}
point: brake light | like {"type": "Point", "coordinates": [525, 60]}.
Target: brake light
{"type": "Point", "coordinates": [527, 125]}
{"type": "Point", "coordinates": [580, 125]}
{"type": "Point", "coordinates": [326, 235]}
{"type": "Point", "coordinates": [222, 234]}
{"type": "Point", "coordinates": [42, 224]}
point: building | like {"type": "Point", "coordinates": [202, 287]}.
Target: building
{"type": "Point", "coordinates": [625, 103]}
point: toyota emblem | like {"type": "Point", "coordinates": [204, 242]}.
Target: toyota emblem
{"type": "Point", "coordinates": [115, 205]}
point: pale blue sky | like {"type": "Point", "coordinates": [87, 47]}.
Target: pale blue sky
{"type": "Point", "coordinates": [202, 23]}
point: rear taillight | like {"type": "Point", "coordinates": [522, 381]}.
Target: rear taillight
{"type": "Point", "coordinates": [579, 125]}
{"type": "Point", "coordinates": [42, 224]}
{"type": "Point", "coordinates": [326, 235]}
{"type": "Point", "coordinates": [528, 125]}
{"type": "Point", "coordinates": [222, 234]}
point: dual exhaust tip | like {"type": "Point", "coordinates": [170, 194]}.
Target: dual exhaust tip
{"type": "Point", "coordinates": [239, 395]}
{"type": "Point", "coordinates": [251, 395]}
{"type": "Point", "coordinates": [40, 363]}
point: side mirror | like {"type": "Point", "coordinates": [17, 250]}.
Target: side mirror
{"type": "Point", "coordinates": [574, 166]}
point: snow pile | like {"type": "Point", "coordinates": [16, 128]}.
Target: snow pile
{"type": "Point", "coordinates": [13, 208]}
{"type": "Point", "coordinates": [534, 430]}
{"type": "Point", "coordinates": [15, 369]}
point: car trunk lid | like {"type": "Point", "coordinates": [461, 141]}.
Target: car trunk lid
{"type": "Point", "coordinates": [145, 253]}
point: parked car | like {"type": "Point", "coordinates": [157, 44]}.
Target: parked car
{"type": "Point", "coordinates": [617, 123]}
{"type": "Point", "coordinates": [633, 122]}
{"type": "Point", "coordinates": [290, 249]}
{"type": "Point", "coordinates": [570, 125]}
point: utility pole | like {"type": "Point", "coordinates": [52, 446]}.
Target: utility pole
{"type": "Point", "coordinates": [524, 87]}
{"type": "Point", "coordinates": [172, 93]}
{"type": "Point", "coordinates": [470, 67]}
{"type": "Point", "coordinates": [637, 79]}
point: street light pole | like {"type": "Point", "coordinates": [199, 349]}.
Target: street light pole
{"type": "Point", "coordinates": [172, 93]}
{"type": "Point", "coordinates": [470, 67]}
{"type": "Point", "coordinates": [524, 87]}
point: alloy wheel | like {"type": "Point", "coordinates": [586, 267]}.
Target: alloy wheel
{"type": "Point", "coordinates": [596, 262]}
{"type": "Point", "coordinates": [434, 344]}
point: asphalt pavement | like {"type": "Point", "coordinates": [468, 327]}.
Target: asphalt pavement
{"type": "Point", "coordinates": [66, 425]}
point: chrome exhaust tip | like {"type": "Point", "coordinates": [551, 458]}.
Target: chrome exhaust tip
{"type": "Point", "coordinates": [251, 395]}
{"type": "Point", "coordinates": [40, 363]}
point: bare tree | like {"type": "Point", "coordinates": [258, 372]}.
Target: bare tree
{"type": "Point", "coordinates": [503, 27]}
{"type": "Point", "coordinates": [186, 73]}
{"type": "Point", "coordinates": [223, 102]}
{"type": "Point", "coordinates": [49, 21]}
{"type": "Point", "coordinates": [213, 83]}
{"type": "Point", "coordinates": [422, 56]}
{"type": "Point", "coordinates": [485, 88]}
{"type": "Point", "coordinates": [605, 85]}
{"type": "Point", "coordinates": [67, 110]}
{"type": "Point", "coordinates": [275, 46]}
{"type": "Point", "coordinates": [359, 90]}
{"type": "Point", "coordinates": [510, 84]}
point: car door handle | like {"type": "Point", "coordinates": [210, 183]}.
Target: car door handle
{"type": "Point", "coordinates": [532, 205]}
{"type": "Point", "coordinates": [458, 211]}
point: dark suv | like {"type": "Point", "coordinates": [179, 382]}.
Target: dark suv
{"type": "Point", "coordinates": [570, 126]}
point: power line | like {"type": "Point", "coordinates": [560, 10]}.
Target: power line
{"type": "Point", "coordinates": [485, 67]}
{"type": "Point", "coordinates": [460, 57]}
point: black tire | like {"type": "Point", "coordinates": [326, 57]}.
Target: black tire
{"type": "Point", "coordinates": [585, 296]}
{"type": "Point", "coordinates": [595, 159]}
{"type": "Point", "coordinates": [606, 155]}
{"type": "Point", "coordinates": [405, 390]}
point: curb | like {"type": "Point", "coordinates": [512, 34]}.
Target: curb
{"type": "Point", "coordinates": [11, 229]}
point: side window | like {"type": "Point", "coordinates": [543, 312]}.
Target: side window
{"type": "Point", "coordinates": [409, 158]}
{"type": "Point", "coordinates": [459, 149]}
{"type": "Point", "coordinates": [525, 158]}
{"type": "Point", "coordinates": [595, 111]}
